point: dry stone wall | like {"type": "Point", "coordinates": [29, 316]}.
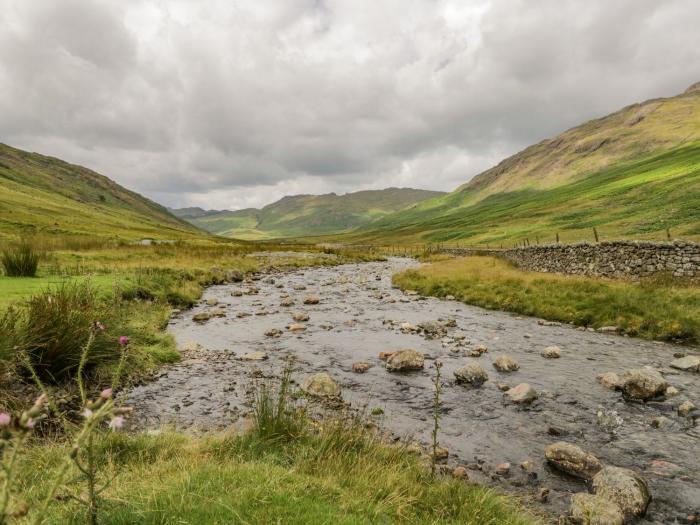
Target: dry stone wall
{"type": "Point", "coordinates": [616, 259]}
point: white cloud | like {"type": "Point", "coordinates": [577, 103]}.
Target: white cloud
{"type": "Point", "coordinates": [235, 103]}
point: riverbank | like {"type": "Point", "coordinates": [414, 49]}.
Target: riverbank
{"type": "Point", "coordinates": [657, 309]}
{"type": "Point", "coordinates": [329, 473]}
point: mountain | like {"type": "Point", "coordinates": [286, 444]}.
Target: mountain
{"type": "Point", "coordinates": [40, 194]}
{"type": "Point", "coordinates": [631, 174]}
{"type": "Point", "coordinates": [306, 215]}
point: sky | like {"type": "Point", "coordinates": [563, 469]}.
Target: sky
{"type": "Point", "coordinates": [228, 104]}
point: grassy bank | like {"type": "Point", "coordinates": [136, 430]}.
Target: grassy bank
{"type": "Point", "coordinates": [653, 309]}
{"type": "Point", "coordinates": [286, 469]}
{"type": "Point", "coordinates": [172, 478]}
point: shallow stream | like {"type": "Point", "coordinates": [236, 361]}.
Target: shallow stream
{"type": "Point", "coordinates": [352, 322]}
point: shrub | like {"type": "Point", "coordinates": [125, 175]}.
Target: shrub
{"type": "Point", "coordinates": [53, 328]}
{"type": "Point", "coordinates": [20, 260]}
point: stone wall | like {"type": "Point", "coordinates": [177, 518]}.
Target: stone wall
{"type": "Point", "coordinates": [617, 259]}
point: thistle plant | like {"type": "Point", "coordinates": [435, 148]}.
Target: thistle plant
{"type": "Point", "coordinates": [83, 455]}
{"type": "Point", "coordinates": [436, 416]}
{"type": "Point", "coordinates": [13, 435]}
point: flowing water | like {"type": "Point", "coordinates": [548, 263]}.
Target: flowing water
{"type": "Point", "coordinates": [208, 389]}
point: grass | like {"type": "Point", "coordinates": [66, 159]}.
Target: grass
{"type": "Point", "coordinates": [653, 309]}
{"type": "Point", "coordinates": [20, 260]}
{"type": "Point", "coordinates": [287, 469]}
{"type": "Point", "coordinates": [173, 478]}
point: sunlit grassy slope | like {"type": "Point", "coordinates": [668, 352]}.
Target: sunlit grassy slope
{"type": "Point", "coordinates": [40, 194]}
{"type": "Point", "coordinates": [631, 174]}
{"type": "Point", "coordinates": [305, 215]}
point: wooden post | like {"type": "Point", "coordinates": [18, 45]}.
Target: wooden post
{"type": "Point", "coordinates": [595, 234]}
{"type": "Point", "coordinates": [668, 234]}
{"type": "Point", "coordinates": [557, 237]}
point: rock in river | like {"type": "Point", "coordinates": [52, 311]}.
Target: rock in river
{"type": "Point", "coordinates": [471, 373]}
{"type": "Point", "coordinates": [201, 317]}
{"type": "Point", "coordinates": [300, 317]}
{"type": "Point", "coordinates": [551, 352]}
{"type": "Point", "coordinates": [685, 409]}
{"type": "Point", "coordinates": [592, 509]}
{"type": "Point", "coordinates": [689, 363]}
{"type": "Point", "coordinates": [610, 380]}
{"type": "Point", "coordinates": [643, 384]}
{"type": "Point", "coordinates": [320, 385]}
{"type": "Point", "coordinates": [522, 394]}
{"type": "Point", "coordinates": [624, 487]}
{"type": "Point", "coordinates": [296, 327]}
{"type": "Point", "coordinates": [254, 356]}
{"type": "Point", "coordinates": [405, 360]}
{"type": "Point", "coordinates": [361, 367]}
{"type": "Point", "coordinates": [312, 299]}
{"type": "Point", "coordinates": [503, 363]}
{"type": "Point", "coordinates": [287, 301]}
{"type": "Point", "coordinates": [573, 460]}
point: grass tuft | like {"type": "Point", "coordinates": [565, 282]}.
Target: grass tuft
{"type": "Point", "coordinates": [20, 260]}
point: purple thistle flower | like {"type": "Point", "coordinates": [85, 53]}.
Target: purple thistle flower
{"type": "Point", "coordinates": [5, 419]}
{"type": "Point", "coordinates": [123, 340]}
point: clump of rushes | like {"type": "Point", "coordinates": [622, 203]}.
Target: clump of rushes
{"type": "Point", "coordinates": [20, 260]}
{"type": "Point", "coordinates": [13, 435]}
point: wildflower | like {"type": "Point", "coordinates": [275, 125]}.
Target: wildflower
{"type": "Point", "coordinates": [116, 423]}
{"type": "Point", "coordinates": [106, 394]}
{"type": "Point", "coordinates": [87, 413]}
{"type": "Point", "coordinates": [4, 419]}
{"type": "Point", "coordinates": [99, 326]}
{"type": "Point", "coordinates": [123, 340]}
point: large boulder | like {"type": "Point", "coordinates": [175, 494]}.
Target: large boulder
{"type": "Point", "coordinates": [592, 509]}
{"type": "Point", "coordinates": [625, 488]}
{"type": "Point", "coordinates": [404, 361]}
{"type": "Point", "coordinates": [642, 384]}
{"type": "Point", "coordinates": [504, 363]}
{"type": "Point", "coordinates": [320, 385]}
{"type": "Point", "coordinates": [471, 373]}
{"type": "Point", "coordinates": [689, 363]}
{"type": "Point", "coordinates": [522, 394]}
{"type": "Point", "coordinates": [572, 459]}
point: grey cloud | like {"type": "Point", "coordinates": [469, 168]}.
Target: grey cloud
{"type": "Point", "coordinates": [234, 103]}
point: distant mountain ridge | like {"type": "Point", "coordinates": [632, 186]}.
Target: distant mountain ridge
{"type": "Point", "coordinates": [631, 174]}
{"type": "Point", "coordinates": [41, 194]}
{"type": "Point", "coordinates": [306, 215]}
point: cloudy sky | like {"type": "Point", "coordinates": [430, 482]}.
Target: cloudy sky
{"type": "Point", "coordinates": [233, 103]}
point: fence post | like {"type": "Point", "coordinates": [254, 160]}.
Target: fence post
{"type": "Point", "coordinates": [557, 237]}
{"type": "Point", "coordinates": [595, 234]}
{"type": "Point", "coordinates": [668, 234]}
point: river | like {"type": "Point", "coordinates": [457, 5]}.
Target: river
{"type": "Point", "coordinates": [353, 322]}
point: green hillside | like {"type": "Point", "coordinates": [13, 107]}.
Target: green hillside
{"type": "Point", "coordinates": [631, 174]}
{"type": "Point", "coordinates": [307, 215]}
{"type": "Point", "coordinates": [40, 194]}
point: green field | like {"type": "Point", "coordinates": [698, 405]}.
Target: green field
{"type": "Point", "coordinates": [653, 309]}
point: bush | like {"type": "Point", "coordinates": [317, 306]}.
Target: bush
{"type": "Point", "coordinates": [53, 329]}
{"type": "Point", "coordinates": [20, 260]}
